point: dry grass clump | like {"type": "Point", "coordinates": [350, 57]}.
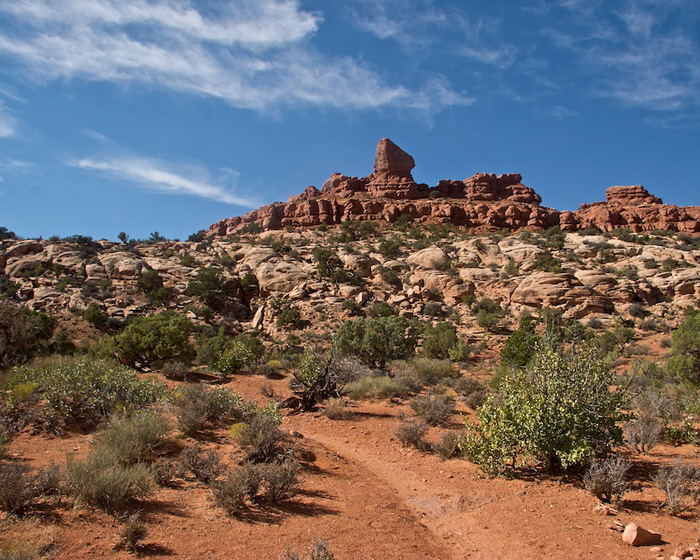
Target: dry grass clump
{"type": "Point", "coordinates": [24, 539]}
{"type": "Point", "coordinates": [336, 409]}
{"type": "Point", "coordinates": [133, 533]}
{"type": "Point", "coordinates": [205, 465]}
{"type": "Point", "coordinates": [412, 434]}
{"type": "Point", "coordinates": [644, 432]}
{"type": "Point", "coordinates": [376, 387]}
{"type": "Point", "coordinates": [606, 479]}
{"type": "Point", "coordinates": [433, 409]}
{"type": "Point", "coordinates": [681, 484]}
{"type": "Point", "coordinates": [318, 551]}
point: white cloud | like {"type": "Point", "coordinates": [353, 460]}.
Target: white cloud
{"type": "Point", "coordinates": [253, 54]}
{"type": "Point", "coordinates": [416, 24]}
{"type": "Point", "coordinates": [8, 124]}
{"type": "Point", "coordinates": [645, 54]}
{"type": "Point", "coordinates": [166, 177]}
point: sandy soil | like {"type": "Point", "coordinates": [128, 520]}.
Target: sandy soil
{"type": "Point", "coordinates": [372, 499]}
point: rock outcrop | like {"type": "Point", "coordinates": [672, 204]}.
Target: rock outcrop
{"type": "Point", "coordinates": [483, 202]}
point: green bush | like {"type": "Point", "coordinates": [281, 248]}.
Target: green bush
{"type": "Point", "coordinates": [381, 386]}
{"type": "Point", "coordinates": [280, 481]}
{"type": "Point", "coordinates": [685, 348]}
{"type": "Point", "coordinates": [289, 317]}
{"type": "Point", "coordinates": [211, 287]}
{"type": "Point", "coordinates": [439, 340]}
{"type": "Point", "coordinates": [83, 391]}
{"type": "Point", "coordinates": [330, 266]}
{"type": "Point", "coordinates": [560, 413]}
{"type": "Point", "coordinates": [391, 247]}
{"type": "Point", "coordinates": [317, 379]}
{"type": "Point", "coordinates": [521, 345]}
{"type": "Point", "coordinates": [377, 340]}
{"type": "Point", "coordinates": [95, 316]}
{"type": "Point", "coordinates": [235, 358]}
{"type": "Point", "coordinates": [547, 263]}
{"type": "Point", "coordinates": [24, 334]}
{"type": "Point", "coordinates": [155, 338]}
{"type": "Point", "coordinates": [260, 436]}
{"type": "Point", "coordinates": [152, 286]}
{"type": "Point", "coordinates": [433, 409]}
{"type": "Point", "coordinates": [486, 320]}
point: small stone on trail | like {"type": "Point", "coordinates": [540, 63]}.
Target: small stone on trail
{"type": "Point", "coordinates": [638, 536]}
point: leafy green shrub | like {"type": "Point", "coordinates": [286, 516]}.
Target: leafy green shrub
{"type": "Point", "coordinates": [8, 288]}
{"type": "Point", "coordinates": [380, 309]}
{"type": "Point", "coordinates": [24, 334]}
{"type": "Point", "coordinates": [391, 247]}
{"type": "Point", "coordinates": [561, 413]}
{"type": "Point", "coordinates": [83, 391]}
{"type": "Point", "coordinates": [152, 286]}
{"type": "Point", "coordinates": [212, 288]}
{"type": "Point", "coordinates": [389, 276]}
{"type": "Point", "coordinates": [235, 358]}
{"type": "Point", "coordinates": [351, 306]}
{"type": "Point", "coordinates": [110, 486]}
{"type": "Point", "coordinates": [377, 340]}
{"type": "Point", "coordinates": [155, 338]}
{"type": "Point", "coordinates": [433, 409]}
{"type": "Point", "coordinates": [317, 379]}
{"type": "Point", "coordinates": [606, 479]}
{"type": "Point", "coordinates": [330, 266]}
{"type": "Point", "coordinates": [685, 348]}
{"type": "Point", "coordinates": [289, 317]}
{"type": "Point", "coordinates": [521, 345]}
{"type": "Point", "coordinates": [431, 371]}
{"type": "Point", "coordinates": [439, 340]}
{"type": "Point", "coordinates": [486, 320]}
{"type": "Point", "coordinates": [433, 309]}
{"type": "Point", "coordinates": [95, 316]}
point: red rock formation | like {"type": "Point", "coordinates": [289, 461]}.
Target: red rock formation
{"type": "Point", "coordinates": [483, 202]}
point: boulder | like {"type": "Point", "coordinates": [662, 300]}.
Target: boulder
{"type": "Point", "coordinates": [638, 536]}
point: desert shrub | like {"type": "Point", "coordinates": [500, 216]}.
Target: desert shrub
{"type": "Point", "coordinates": [238, 486]}
{"type": "Point", "coordinates": [472, 390]}
{"type": "Point", "coordinates": [281, 481]}
{"type": "Point", "coordinates": [204, 464]}
{"type": "Point", "coordinates": [685, 348]}
{"type": "Point", "coordinates": [486, 320]}
{"type": "Point", "coordinates": [459, 352]}
{"type": "Point", "coordinates": [110, 486]}
{"type": "Point", "coordinates": [547, 263]}
{"type": "Point", "coordinates": [17, 488]}
{"type": "Point", "coordinates": [151, 284]}
{"type": "Point", "coordinates": [83, 392]}
{"type": "Point", "coordinates": [165, 471]}
{"type": "Point", "coordinates": [352, 307]}
{"type": "Point", "coordinates": [412, 433]}
{"type": "Point", "coordinates": [377, 387]}
{"type": "Point", "coordinates": [521, 345]}
{"type": "Point", "coordinates": [175, 370]}
{"type": "Point", "coordinates": [133, 533]}
{"type": "Point", "coordinates": [316, 379]}
{"type": "Point", "coordinates": [377, 340]}
{"type": "Point", "coordinates": [439, 340]}
{"type": "Point", "coordinates": [681, 485]}
{"type": "Point", "coordinates": [336, 409]}
{"type": "Point", "coordinates": [289, 317]}
{"type": "Point", "coordinates": [555, 237]}
{"type": "Point", "coordinates": [319, 549]}
{"type": "Point", "coordinates": [488, 305]}
{"type": "Point", "coordinates": [390, 276]}
{"type": "Point", "coordinates": [448, 446]}
{"type": "Point", "coordinates": [561, 412]}
{"type": "Point", "coordinates": [8, 288]}
{"type": "Point", "coordinates": [155, 338]}
{"type": "Point", "coordinates": [433, 409]}
{"type": "Point", "coordinates": [330, 266]}
{"type": "Point", "coordinates": [391, 247]}
{"type": "Point", "coordinates": [380, 309]}
{"type": "Point", "coordinates": [95, 316]}
{"type": "Point", "coordinates": [637, 310]}
{"type": "Point", "coordinates": [212, 288]}
{"type": "Point", "coordinates": [197, 405]}
{"type": "Point", "coordinates": [644, 432]}
{"type": "Point", "coordinates": [606, 479]}
{"type": "Point", "coordinates": [24, 334]}
{"type": "Point", "coordinates": [235, 358]}
{"type": "Point", "coordinates": [511, 269]}
{"type": "Point", "coordinates": [132, 438]}
{"type": "Point", "coordinates": [260, 436]}
{"type": "Point", "coordinates": [431, 371]}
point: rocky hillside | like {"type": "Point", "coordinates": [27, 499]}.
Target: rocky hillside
{"type": "Point", "coordinates": [480, 203]}
{"type": "Point", "coordinates": [309, 282]}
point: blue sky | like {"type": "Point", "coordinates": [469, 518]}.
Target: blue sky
{"type": "Point", "coordinates": [168, 115]}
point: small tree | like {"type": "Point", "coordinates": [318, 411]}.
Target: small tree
{"type": "Point", "coordinates": [561, 413]}
{"type": "Point", "coordinates": [377, 340]}
{"type": "Point", "coordinates": [211, 287]}
{"type": "Point", "coordinates": [159, 337]}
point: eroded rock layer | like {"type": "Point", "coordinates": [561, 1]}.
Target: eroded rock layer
{"type": "Point", "coordinates": [483, 202]}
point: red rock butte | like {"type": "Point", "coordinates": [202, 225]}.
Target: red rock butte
{"type": "Point", "coordinates": [483, 202]}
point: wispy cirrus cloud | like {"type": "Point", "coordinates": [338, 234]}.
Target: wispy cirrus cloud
{"type": "Point", "coordinates": [644, 53]}
{"type": "Point", "coordinates": [253, 54]}
{"type": "Point", "coordinates": [416, 24]}
{"type": "Point", "coordinates": [162, 176]}
{"type": "Point", "coordinates": [8, 124]}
